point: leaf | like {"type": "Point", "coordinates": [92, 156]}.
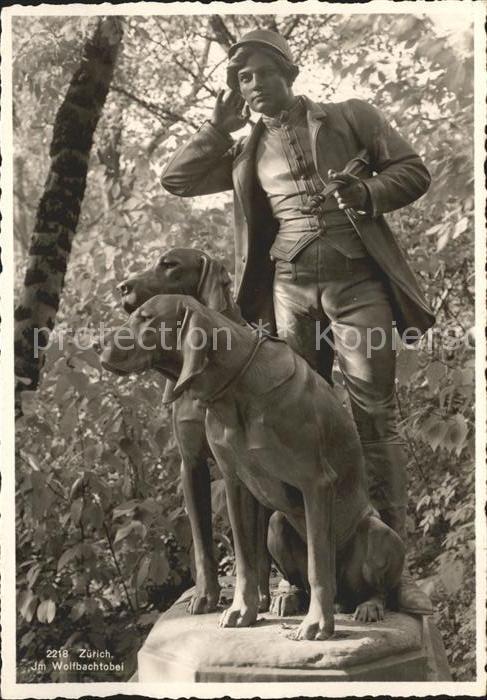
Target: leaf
{"type": "Point", "coordinates": [46, 611]}
{"type": "Point", "coordinates": [452, 575]}
{"type": "Point", "coordinates": [51, 611]}
{"type": "Point", "coordinates": [460, 227]}
{"type": "Point", "coordinates": [84, 288]}
{"type": "Point", "coordinates": [80, 382]}
{"type": "Point", "coordinates": [92, 452]}
{"type": "Point", "coordinates": [159, 567]}
{"type": "Point", "coordinates": [41, 497]}
{"type": "Point", "coordinates": [457, 433]}
{"type": "Point", "coordinates": [434, 431]}
{"type": "Point", "coordinates": [113, 461]}
{"type": "Point", "coordinates": [27, 638]}
{"type": "Point", "coordinates": [406, 366]}
{"type": "Point", "coordinates": [78, 610]}
{"type": "Point", "coordinates": [434, 374]}
{"type": "Point", "coordinates": [67, 556]}
{"type": "Point", "coordinates": [125, 508]}
{"type": "Point", "coordinates": [79, 583]}
{"type": "Point", "coordinates": [433, 230]}
{"type": "Point", "coordinates": [76, 490]}
{"type": "Point", "coordinates": [63, 390]}
{"type": "Point", "coordinates": [87, 550]}
{"type": "Point", "coordinates": [443, 240]}
{"type": "Point", "coordinates": [133, 527]}
{"type": "Point", "coordinates": [143, 571]}
{"type": "Point", "coordinates": [129, 205]}
{"type": "Point", "coordinates": [27, 604]}
{"type": "Point", "coordinates": [90, 357]}
{"type": "Point", "coordinates": [33, 574]}
{"type": "Point", "coordinates": [151, 506]}
{"type": "Point", "coordinates": [76, 510]}
{"type": "Point", "coordinates": [69, 421]}
{"type": "Point", "coordinates": [445, 395]}
{"type": "Point", "coordinates": [93, 516]}
{"type": "Point", "coordinates": [465, 381]}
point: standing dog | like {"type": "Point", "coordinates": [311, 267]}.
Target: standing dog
{"type": "Point", "coordinates": [193, 272]}
{"type": "Point", "coordinates": [276, 426]}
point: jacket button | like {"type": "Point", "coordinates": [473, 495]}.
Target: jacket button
{"type": "Point", "coordinates": [244, 258]}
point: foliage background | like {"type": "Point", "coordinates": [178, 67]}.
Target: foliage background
{"type": "Point", "coordinates": [103, 542]}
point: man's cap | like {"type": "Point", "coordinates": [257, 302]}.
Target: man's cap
{"type": "Point", "coordinates": [264, 37]}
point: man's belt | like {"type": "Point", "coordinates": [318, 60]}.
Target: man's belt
{"type": "Point", "coordinates": [288, 245]}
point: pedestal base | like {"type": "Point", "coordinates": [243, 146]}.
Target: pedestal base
{"type": "Point", "coordinates": [183, 647]}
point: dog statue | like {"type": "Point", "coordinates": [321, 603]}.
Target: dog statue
{"type": "Point", "coordinates": [191, 271]}
{"type": "Point", "coordinates": [276, 426]}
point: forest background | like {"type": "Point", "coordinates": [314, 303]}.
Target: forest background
{"type": "Point", "coordinates": [103, 540]}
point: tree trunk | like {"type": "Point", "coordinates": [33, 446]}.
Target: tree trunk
{"type": "Point", "coordinates": [59, 208]}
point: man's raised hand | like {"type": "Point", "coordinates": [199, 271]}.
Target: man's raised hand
{"type": "Point", "coordinates": [230, 112]}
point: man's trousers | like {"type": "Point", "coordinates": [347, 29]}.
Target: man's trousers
{"type": "Point", "coordinates": [328, 305]}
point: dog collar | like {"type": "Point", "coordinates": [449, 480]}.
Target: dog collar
{"type": "Point", "coordinates": [223, 389]}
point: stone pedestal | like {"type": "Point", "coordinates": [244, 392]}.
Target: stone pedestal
{"type": "Point", "coordinates": [193, 648]}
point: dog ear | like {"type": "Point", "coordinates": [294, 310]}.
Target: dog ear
{"type": "Point", "coordinates": [195, 339]}
{"type": "Point", "coordinates": [214, 288]}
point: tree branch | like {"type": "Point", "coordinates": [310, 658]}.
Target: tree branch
{"type": "Point", "coordinates": [270, 23]}
{"type": "Point", "coordinates": [223, 35]}
{"type": "Point", "coordinates": [159, 112]}
{"type": "Point", "coordinates": [291, 27]}
{"type": "Point", "coordinates": [197, 80]}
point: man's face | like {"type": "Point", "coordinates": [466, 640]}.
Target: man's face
{"type": "Point", "coordinates": [263, 86]}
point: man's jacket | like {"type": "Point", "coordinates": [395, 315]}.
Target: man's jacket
{"type": "Point", "coordinates": [211, 162]}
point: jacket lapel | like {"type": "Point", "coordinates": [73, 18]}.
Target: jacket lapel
{"type": "Point", "coordinates": [244, 169]}
{"type": "Point", "coordinates": [316, 115]}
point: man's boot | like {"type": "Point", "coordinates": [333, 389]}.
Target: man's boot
{"type": "Point", "coordinates": [408, 596]}
{"type": "Point", "coordinates": [386, 471]}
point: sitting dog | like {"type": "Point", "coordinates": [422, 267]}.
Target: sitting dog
{"type": "Point", "coordinates": [276, 426]}
{"type": "Point", "coordinates": [191, 271]}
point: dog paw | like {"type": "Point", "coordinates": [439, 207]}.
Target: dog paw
{"type": "Point", "coordinates": [201, 604]}
{"type": "Point", "coordinates": [205, 597]}
{"type": "Point", "coordinates": [240, 616]}
{"type": "Point", "coordinates": [370, 611]}
{"type": "Point", "coordinates": [315, 628]}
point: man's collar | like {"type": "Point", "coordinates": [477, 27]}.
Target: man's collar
{"type": "Point", "coordinates": [315, 110]}
{"type": "Point", "coordinates": [288, 116]}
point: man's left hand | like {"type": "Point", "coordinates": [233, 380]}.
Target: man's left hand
{"type": "Point", "coordinates": [352, 193]}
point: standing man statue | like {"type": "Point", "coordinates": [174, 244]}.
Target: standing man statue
{"type": "Point", "coordinates": [327, 272]}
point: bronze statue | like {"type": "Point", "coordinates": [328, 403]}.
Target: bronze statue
{"type": "Point", "coordinates": [303, 259]}
{"type": "Point", "coordinates": [258, 392]}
